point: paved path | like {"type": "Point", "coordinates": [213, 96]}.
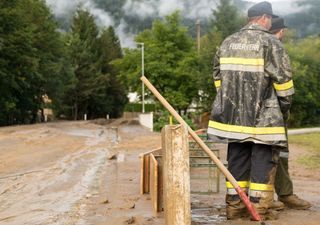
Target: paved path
{"type": "Point", "coordinates": [304, 130]}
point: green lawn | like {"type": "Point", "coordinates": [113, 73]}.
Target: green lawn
{"type": "Point", "coordinates": [310, 142]}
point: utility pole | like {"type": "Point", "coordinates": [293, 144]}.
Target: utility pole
{"type": "Point", "coordinates": [142, 73]}
{"type": "Point", "coordinates": [198, 35]}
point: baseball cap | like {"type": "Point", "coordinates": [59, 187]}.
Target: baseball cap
{"type": "Point", "coordinates": [277, 24]}
{"type": "Point", "coordinates": [260, 9]}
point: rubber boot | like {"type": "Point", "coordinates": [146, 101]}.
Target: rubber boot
{"type": "Point", "coordinates": [294, 202]}
{"type": "Point", "coordinates": [235, 208]}
{"type": "Point", "coordinates": [277, 205]}
{"type": "Point", "coordinates": [264, 204]}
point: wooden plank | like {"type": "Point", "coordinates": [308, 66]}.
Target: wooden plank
{"type": "Point", "coordinates": [145, 170]}
{"type": "Point", "coordinates": [154, 183]}
{"type": "Point", "coordinates": [160, 183]}
{"type": "Point", "coordinates": [141, 174]}
{"type": "Point", "coordinates": [176, 175]}
{"type": "Point", "coordinates": [144, 173]}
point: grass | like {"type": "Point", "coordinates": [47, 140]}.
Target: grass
{"type": "Point", "coordinates": [311, 143]}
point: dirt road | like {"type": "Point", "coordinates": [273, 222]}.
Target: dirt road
{"type": "Point", "coordinates": [83, 173]}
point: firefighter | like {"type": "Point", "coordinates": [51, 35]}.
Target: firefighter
{"type": "Point", "coordinates": [252, 75]}
{"type": "Point", "coordinates": [283, 182]}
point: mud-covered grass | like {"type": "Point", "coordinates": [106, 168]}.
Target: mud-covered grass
{"type": "Point", "coordinates": [311, 143]}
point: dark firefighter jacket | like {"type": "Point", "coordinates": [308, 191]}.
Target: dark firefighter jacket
{"type": "Point", "coordinates": [253, 78]}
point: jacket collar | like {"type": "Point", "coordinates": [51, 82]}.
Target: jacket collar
{"type": "Point", "coordinates": [254, 26]}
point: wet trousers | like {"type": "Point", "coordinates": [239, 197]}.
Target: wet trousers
{"type": "Point", "coordinates": [252, 162]}
{"type": "Point", "coordinates": [283, 183]}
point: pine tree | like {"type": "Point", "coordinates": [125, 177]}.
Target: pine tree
{"type": "Point", "coordinates": [83, 48]}
{"type": "Point", "coordinates": [30, 53]}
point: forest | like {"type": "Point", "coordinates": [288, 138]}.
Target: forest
{"type": "Point", "coordinates": [83, 69]}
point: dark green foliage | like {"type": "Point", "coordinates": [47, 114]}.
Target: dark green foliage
{"type": "Point", "coordinates": [305, 57]}
{"type": "Point", "coordinates": [137, 107]}
{"type": "Point", "coordinates": [170, 62]}
{"type": "Point", "coordinates": [162, 118]}
{"type": "Point", "coordinates": [226, 20]}
{"type": "Point", "coordinates": [31, 60]}
{"type": "Point", "coordinates": [97, 90]}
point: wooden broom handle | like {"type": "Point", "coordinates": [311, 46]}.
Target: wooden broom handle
{"type": "Point", "coordinates": [219, 164]}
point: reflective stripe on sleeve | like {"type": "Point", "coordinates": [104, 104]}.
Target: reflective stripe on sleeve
{"type": "Point", "coordinates": [284, 86]}
{"type": "Point", "coordinates": [285, 93]}
{"type": "Point", "coordinates": [284, 89]}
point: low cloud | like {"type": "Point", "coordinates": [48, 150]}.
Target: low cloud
{"type": "Point", "coordinates": [190, 9]}
{"type": "Point", "coordinates": [65, 9]}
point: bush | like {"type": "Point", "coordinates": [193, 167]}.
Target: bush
{"type": "Point", "coordinates": [162, 118]}
{"type": "Point", "coordinates": [137, 107]}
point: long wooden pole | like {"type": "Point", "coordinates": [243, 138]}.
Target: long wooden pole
{"type": "Point", "coordinates": [223, 169]}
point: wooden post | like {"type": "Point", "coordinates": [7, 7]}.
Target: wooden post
{"type": "Point", "coordinates": [154, 183]}
{"type": "Point", "coordinates": [224, 170]}
{"type": "Point", "coordinates": [176, 175]}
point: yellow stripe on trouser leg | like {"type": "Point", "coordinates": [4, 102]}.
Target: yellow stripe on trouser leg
{"type": "Point", "coordinates": [232, 191]}
{"type": "Point", "coordinates": [257, 190]}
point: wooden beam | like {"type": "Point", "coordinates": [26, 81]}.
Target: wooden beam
{"type": "Point", "coordinates": [176, 175]}
{"type": "Point", "coordinates": [154, 183]}
{"type": "Point", "coordinates": [145, 170]}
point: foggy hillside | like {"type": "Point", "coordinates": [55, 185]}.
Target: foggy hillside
{"type": "Point", "coordinates": [131, 16]}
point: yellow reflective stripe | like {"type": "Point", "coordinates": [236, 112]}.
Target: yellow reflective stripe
{"type": "Point", "coordinates": [243, 61]}
{"type": "Point", "coordinates": [282, 87]}
{"type": "Point", "coordinates": [247, 130]}
{"type": "Point", "coordinates": [261, 187]}
{"type": "Point", "coordinates": [242, 184]}
{"type": "Point", "coordinates": [217, 83]}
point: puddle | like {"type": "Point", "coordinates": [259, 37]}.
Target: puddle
{"type": "Point", "coordinates": [204, 216]}
{"type": "Point", "coordinates": [82, 133]}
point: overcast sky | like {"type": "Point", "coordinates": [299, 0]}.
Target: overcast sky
{"type": "Point", "coordinates": [144, 8]}
{"type": "Point", "coordinates": [274, 0]}
{"type": "Point", "coordinates": [283, 7]}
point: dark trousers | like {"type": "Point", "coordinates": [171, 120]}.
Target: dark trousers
{"type": "Point", "coordinates": [252, 162]}
{"type": "Point", "coordinates": [283, 183]}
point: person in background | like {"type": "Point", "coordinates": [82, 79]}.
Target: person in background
{"type": "Point", "coordinates": [283, 182]}
{"type": "Point", "coordinates": [254, 88]}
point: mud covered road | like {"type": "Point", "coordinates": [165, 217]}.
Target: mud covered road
{"type": "Point", "coordinates": [84, 173]}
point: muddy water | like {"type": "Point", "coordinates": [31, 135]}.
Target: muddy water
{"type": "Point", "coordinates": [62, 173]}
{"type": "Point", "coordinates": [50, 195]}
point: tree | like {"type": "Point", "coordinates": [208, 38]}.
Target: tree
{"type": "Point", "coordinates": [170, 62]}
{"type": "Point", "coordinates": [96, 90]}
{"type": "Point", "coordinates": [225, 21]}
{"type": "Point", "coordinates": [112, 98]}
{"type": "Point", "coordinates": [226, 18]}
{"type": "Point", "coordinates": [31, 53]}
{"type": "Point", "coordinates": [83, 49]}
{"type": "Point", "coordinates": [305, 55]}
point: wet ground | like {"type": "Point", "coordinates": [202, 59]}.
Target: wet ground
{"type": "Point", "coordinates": [87, 173]}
